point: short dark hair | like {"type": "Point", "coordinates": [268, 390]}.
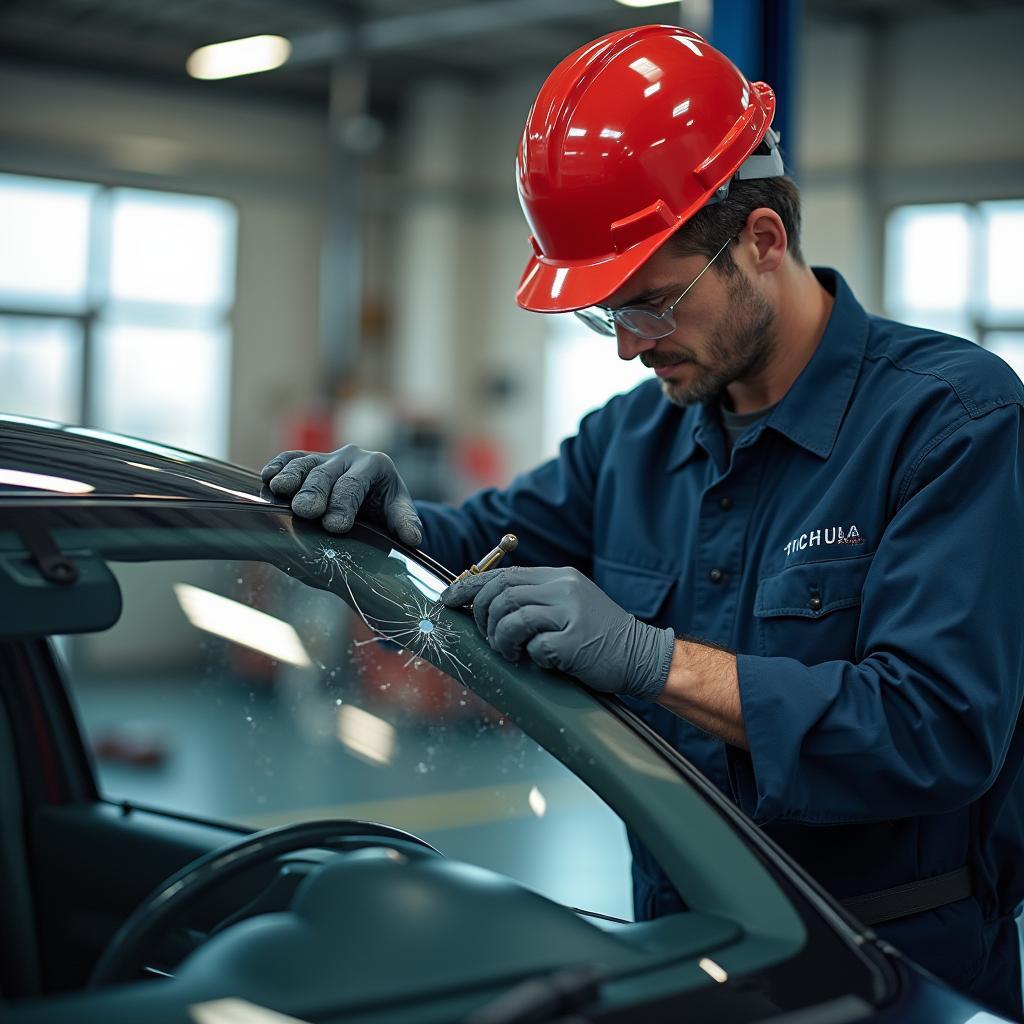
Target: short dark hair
{"type": "Point", "coordinates": [712, 226]}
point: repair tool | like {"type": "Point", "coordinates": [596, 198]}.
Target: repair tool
{"type": "Point", "coordinates": [506, 545]}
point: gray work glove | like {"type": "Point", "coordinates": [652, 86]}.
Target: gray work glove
{"type": "Point", "coordinates": [338, 485]}
{"type": "Point", "coordinates": [565, 621]}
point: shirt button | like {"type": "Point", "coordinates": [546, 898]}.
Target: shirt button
{"type": "Point", "coordinates": [716, 575]}
{"type": "Point", "coordinates": [815, 603]}
{"type": "Point", "coordinates": [725, 504]}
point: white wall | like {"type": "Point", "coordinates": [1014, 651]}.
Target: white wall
{"type": "Point", "coordinates": [268, 159]}
{"type": "Point", "coordinates": [952, 91]}
{"type": "Point", "coordinates": [922, 110]}
{"type": "Point", "coordinates": [429, 280]}
{"type": "Point", "coordinates": [511, 341]}
{"type": "Point", "coordinates": [832, 122]}
{"type": "Point", "coordinates": [461, 246]}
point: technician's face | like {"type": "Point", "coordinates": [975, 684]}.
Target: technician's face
{"type": "Point", "coordinates": [724, 330]}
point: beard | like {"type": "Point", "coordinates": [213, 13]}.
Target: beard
{"type": "Point", "coordinates": [740, 346]}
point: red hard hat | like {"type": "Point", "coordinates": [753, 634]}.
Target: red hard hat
{"type": "Point", "coordinates": [629, 137]}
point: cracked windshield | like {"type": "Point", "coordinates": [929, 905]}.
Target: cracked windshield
{"type": "Point", "coordinates": [331, 684]}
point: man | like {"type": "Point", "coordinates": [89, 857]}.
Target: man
{"type": "Point", "coordinates": [798, 555]}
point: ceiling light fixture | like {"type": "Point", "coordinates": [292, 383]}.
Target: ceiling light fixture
{"type": "Point", "coordinates": [239, 57]}
{"type": "Point", "coordinates": [646, 3]}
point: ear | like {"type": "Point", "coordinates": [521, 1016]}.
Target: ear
{"type": "Point", "coordinates": [765, 236]}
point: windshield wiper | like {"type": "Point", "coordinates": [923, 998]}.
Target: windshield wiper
{"type": "Point", "coordinates": [544, 997]}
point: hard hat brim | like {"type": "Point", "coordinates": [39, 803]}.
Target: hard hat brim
{"type": "Point", "coordinates": [561, 286]}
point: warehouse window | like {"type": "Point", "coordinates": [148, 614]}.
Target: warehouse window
{"type": "Point", "coordinates": [582, 371]}
{"type": "Point", "coordinates": [114, 309]}
{"type": "Point", "coordinates": [953, 267]}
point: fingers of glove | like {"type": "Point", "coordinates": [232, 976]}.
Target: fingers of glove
{"type": "Point", "coordinates": [314, 498]}
{"type": "Point", "coordinates": [288, 480]}
{"type": "Point", "coordinates": [543, 651]}
{"type": "Point", "coordinates": [277, 463]}
{"type": "Point", "coordinates": [512, 598]}
{"type": "Point", "coordinates": [515, 630]}
{"type": "Point", "coordinates": [464, 591]}
{"type": "Point", "coordinates": [404, 522]}
{"type": "Point", "coordinates": [502, 579]}
{"type": "Point", "coordinates": [400, 513]}
{"type": "Point", "coordinates": [347, 496]}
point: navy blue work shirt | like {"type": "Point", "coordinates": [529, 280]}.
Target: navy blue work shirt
{"type": "Point", "coordinates": [861, 549]}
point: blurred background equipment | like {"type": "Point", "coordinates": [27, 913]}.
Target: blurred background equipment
{"type": "Point", "coordinates": [324, 246]}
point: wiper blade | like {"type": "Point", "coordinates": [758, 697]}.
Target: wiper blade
{"type": "Point", "coordinates": [544, 997]}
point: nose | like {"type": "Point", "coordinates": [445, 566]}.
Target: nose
{"type": "Point", "coordinates": [631, 345]}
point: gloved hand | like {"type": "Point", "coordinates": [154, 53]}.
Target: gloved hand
{"type": "Point", "coordinates": [565, 621]}
{"type": "Point", "coordinates": [338, 485]}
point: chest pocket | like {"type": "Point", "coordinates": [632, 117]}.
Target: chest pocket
{"type": "Point", "coordinates": [639, 591]}
{"type": "Point", "coordinates": [811, 612]}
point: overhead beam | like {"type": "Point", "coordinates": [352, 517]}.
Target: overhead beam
{"type": "Point", "coordinates": [465, 22]}
{"type": "Point", "coordinates": [434, 28]}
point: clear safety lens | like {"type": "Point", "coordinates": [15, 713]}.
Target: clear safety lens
{"type": "Point", "coordinates": [646, 324]}
{"type": "Point", "coordinates": [597, 319]}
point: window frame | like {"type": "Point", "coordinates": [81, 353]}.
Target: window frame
{"type": "Point", "coordinates": [99, 308]}
{"type": "Point", "coordinates": [974, 311]}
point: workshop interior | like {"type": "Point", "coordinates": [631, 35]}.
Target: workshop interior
{"type": "Point", "coordinates": [254, 769]}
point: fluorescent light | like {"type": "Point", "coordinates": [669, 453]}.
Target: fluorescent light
{"type": "Point", "coordinates": [366, 735]}
{"type": "Point", "coordinates": [239, 57]}
{"type": "Point", "coordinates": [40, 482]}
{"type": "Point", "coordinates": [227, 490]}
{"type": "Point", "coordinates": [237, 1011]}
{"type": "Point", "coordinates": [537, 802]}
{"type": "Point", "coordinates": [651, 71]}
{"type": "Point", "coordinates": [645, 3]}
{"type": "Point", "coordinates": [241, 624]}
{"type": "Point", "coordinates": [713, 970]}
{"type": "Point", "coordinates": [556, 285]}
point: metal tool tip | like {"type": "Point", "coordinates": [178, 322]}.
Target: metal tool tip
{"type": "Point", "coordinates": [508, 543]}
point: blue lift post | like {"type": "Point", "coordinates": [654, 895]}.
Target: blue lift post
{"type": "Point", "coordinates": [760, 38]}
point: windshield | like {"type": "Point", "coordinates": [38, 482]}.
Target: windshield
{"type": "Point", "coordinates": [263, 676]}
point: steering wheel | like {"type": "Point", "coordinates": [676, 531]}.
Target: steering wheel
{"type": "Point", "coordinates": [124, 957]}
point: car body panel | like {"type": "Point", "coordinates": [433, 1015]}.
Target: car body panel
{"type": "Point", "coordinates": [81, 462]}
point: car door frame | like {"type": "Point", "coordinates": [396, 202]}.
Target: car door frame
{"type": "Point", "coordinates": [90, 861]}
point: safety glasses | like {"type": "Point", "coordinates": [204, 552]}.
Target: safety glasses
{"type": "Point", "coordinates": [639, 320]}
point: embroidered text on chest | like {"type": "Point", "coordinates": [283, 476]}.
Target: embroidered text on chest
{"type": "Point", "coordinates": [829, 535]}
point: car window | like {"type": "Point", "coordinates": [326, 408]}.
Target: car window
{"type": "Point", "coordinates": [323, 681]}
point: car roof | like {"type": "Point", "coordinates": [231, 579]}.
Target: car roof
{"type": "Point", "coordinates": [40, 457]}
